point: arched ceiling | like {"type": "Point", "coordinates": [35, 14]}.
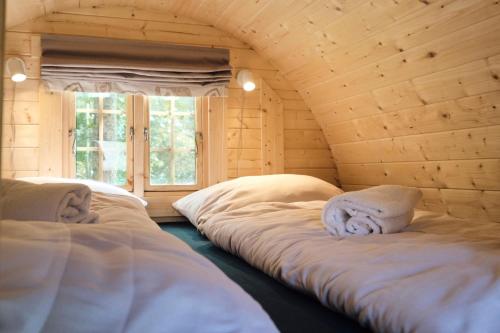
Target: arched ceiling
{"type": "Point", "coordinates": [406, 91]}
{"type": "Point", "coordinates": [289, 33]}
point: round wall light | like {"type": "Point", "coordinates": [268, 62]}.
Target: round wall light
{"type": "Point", "coordinates": [245, 80]}
{"type": "Point", "coordinates": [16, 69]}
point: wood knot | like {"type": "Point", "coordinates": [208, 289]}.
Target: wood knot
{"type": "Point", "coordinates": [431, 54]}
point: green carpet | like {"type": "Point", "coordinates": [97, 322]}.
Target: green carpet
{"type": "Point", "coordinates": [290, 310]}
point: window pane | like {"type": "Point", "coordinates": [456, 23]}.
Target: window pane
{"type": "Point", "coordinates": [87, 129]}
{"type": "Point", "coordinates": [172, 128]}
{"type": "Point", "coordinates": [87, 101]}
{"type": "Point", "coordinates": [184, 104]}
{"type": "Point", "coordinates": [185, 167]}
{"type": "Point", "coordinates": [87, 165]}
{"type": "Point", "coordinates": [160, 130]}
{"type": "Point", "coordinates": [160, 103]}
{"type": "Point", "coordinates": [101, 138]}
{"type": "Point", "coordinates": [114, 162]}
{"type": "Point", "coordinates": [160, 168]}
{"type": "Point", "coordinates": [114, 102]}
{"type": "Point", "coordinates": [184, 131]}
{"type": "Point", "coordinates": [115, 127]}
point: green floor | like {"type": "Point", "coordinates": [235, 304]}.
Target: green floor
{"type": "Point", "coordinates": [290, 310]}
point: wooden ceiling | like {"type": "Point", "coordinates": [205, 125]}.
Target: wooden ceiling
{"type": "Point", "coordinates": [405, 91]}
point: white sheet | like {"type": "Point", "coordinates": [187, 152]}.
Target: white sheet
{"type": "Point", "coordinates": [440, 275]}
{"type": "Point", "coordinates": [123, 275]}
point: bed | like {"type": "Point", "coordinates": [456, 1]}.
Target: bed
{"type": "Point", "coordinates": [122, 274]}
{"type": "Point", "coordinates": [442, 274]}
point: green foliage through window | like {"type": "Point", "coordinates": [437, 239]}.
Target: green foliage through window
{"type": "Point", "coordinates": [172, 150]}
{"type": "Point", "coordinates": [101, 137]}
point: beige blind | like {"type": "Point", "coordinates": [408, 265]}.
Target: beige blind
{"type": "Point", "coordinates": [135, 67]}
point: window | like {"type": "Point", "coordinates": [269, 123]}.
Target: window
{"type": "Point", "coordinates": [102, 130]}
{"type": "Point", "coordinates": [101, 145]}
{"type": "Point", "coordinates": [172, 143]}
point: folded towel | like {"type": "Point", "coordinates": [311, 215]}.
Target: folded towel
{"type": "Point", "coordinates": [68, 203]}
{"type": "Point", "coordinates": [381, 209]}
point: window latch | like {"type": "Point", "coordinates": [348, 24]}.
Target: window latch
{"type": "Point", "coordinates": [198, 140]}
{"type": "Point", "coordinates": [72, 133]}
{"type": "Point", "coordinates": [131, 133]}
{"type": "Point", "coordinates": [146, 134]}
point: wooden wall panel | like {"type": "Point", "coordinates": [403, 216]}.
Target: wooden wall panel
{"type": "Point", "coordinates": [394, 85]}
{"type": "Point", "coordinates": [272, 144]}
{"type": "Point", "coordinates": [216, 145]}
{"type": "Point", "coordinates": [21, 116]}
{"type": "Point", "coordinates": [254, 139]}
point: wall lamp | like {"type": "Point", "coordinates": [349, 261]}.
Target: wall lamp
{"type": "Point", "coordinates": [16, 69]}
{"type": "Point", "coordinates": [245, 80]}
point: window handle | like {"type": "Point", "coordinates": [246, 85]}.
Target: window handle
{"type": "Point", "coordinates": [198, 140]}
{"type": "Point", "coordinates": [72, 133]}
{"type": "Point", "coordinates": [131, 133]}
{"type": "Point", "coordinates": [146, 134]}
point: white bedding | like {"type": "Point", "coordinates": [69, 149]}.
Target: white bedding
{"type": "Point", "coordinates": [441, 275]}
{"type": "Point", "coordinates": [123, 275]}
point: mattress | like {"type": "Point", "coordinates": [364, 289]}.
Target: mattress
{"type": "Point", "coordinates": [291, 310]}
{"type": "Point", "coordinates": [441, 274]}
{"type": "Point", "coordinates": [123, 274]}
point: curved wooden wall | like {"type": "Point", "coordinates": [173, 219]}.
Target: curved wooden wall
{"type": "Point", "coordinates": [406, 91]}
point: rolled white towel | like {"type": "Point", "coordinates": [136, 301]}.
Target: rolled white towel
{"type": "Point", "coordinates": [381, 209]}
{"type": "Point", "coordinates": [68, 203]}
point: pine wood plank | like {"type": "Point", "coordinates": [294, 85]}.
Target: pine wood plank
{"type": "Point", "coordinates": [458, 174]}
{"type": "Point", "coordinates": [478, 143]}
{"type": "Point", "coordinates": [19, 136]}
{"type": "Point", "coordinates": [305, 139]}
{"type": "Point", "coordinates": [440, 54]}
{"type": "Point", "coordinates": [21, 113]}
{"type": "Point", "coordinates": [217, 167]}
{"type": "Point", "coordinates": [20, 159]}
{"type": "Point", "coordinates": [51, 134]}
{"type": "Point", "coordinates": [272, 144]}
{"type": "Point", "coordinates": [463, 113]}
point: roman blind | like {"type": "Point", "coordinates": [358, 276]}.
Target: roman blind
{"type": "Point", "coordinates": [71, 63]}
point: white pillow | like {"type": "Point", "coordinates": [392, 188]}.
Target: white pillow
{"type": "Point", "coordinates": [239, 192]}
{"type": "Point", "coordinates": [94, 186]}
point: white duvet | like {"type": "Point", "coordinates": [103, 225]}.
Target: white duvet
{"type": "Point", "coordinates": [440, 275]}
{"type": "Point", "coordinates": [123, 275]}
